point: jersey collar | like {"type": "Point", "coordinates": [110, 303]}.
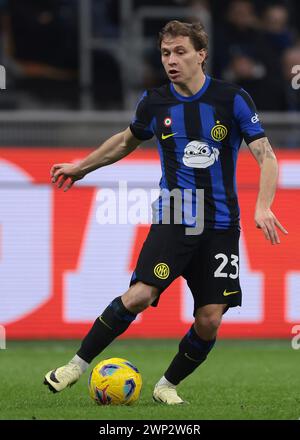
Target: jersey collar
{"type": "Point", "coordinates": [193, 97]}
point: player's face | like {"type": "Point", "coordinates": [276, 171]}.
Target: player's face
{"type": "Point", "coordinates": [180, 59]}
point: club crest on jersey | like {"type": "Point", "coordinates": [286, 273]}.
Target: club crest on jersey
{"type": "Point", "coordinates": [167, 122]}
{"type": "Point", "coordinates": [218, 132]}
{"type": "Point", "coordinates": [199, 155]}
{"type": "Point", "coordinates": [162, 271]}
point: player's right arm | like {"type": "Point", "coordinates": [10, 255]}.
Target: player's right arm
{"type": "Point", "coordinates": [112, 150]}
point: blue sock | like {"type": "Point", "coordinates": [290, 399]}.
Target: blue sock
{"type": "Point", "coordinates": [113, 322]}
{"type": "Point", "coordinates": [192, 352]}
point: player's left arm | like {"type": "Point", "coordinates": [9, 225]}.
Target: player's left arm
{"type": "Point", "coordinates": [264, 217]}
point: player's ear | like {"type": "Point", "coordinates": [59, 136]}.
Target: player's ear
{"type": "Point", "coordinates": [201, 55]}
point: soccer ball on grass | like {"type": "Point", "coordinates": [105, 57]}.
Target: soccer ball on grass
{"type": "Point", "coordinates": [115, 381]}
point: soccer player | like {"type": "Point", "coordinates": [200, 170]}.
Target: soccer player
{"type": "Point", "coordinates": [199, 123]}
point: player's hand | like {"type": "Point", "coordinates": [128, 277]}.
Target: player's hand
{"type": "Point", "coordinates": [266, 220]}
{"type": "Point", "coordinates": [65, 174]}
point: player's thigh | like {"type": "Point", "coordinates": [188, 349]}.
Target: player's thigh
{"type": "Point", "coordinates": [164, 256]}
{"type": "Point", "coordinates": [213, 276]}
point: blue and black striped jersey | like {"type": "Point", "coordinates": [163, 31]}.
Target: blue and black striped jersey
{"type": "Point", "coordinates": [198, 139]}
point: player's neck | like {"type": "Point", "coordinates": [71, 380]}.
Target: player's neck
{"type": "Point", "coordinates": [192, 87]}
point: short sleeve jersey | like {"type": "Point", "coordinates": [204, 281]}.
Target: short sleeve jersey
{"type": "Point", "coordinates": [198, 139]}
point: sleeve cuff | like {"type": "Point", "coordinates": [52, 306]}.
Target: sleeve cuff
{"type": "Point", "coordinates": [140, 134]}
{"type": "Point", "coordinates": [249, 139]}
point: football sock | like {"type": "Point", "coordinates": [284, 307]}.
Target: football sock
{"type": "Point", "coordinates": [113, 322]}
{"type": "Point", "coordinates": [80, 362]}
{"type": "Point", "coordinates": [164, 381]}
{"type": "Point", "coordinates": [192, 352]}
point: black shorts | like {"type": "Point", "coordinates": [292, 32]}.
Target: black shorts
{"type": "Point", "coordinates": [209, 262]}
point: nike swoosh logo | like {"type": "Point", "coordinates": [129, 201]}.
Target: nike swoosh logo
{"type": "Point", "coordinates": [189, 358]}
{"type": "Point", "coordinates": [103, 322]}
{"type": "Point", "coordinates": [53, 377]}
{"type": "Point", "coordinates": [166, 136]}
{"type": "Point", "coordinates": [225, 293]}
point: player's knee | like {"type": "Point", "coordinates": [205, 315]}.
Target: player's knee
{"type": "Point", "coordinates": [139, 297]}
{"type": "Point", "coordinates": [209, 322]}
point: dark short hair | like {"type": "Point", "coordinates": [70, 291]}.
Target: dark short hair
{"type": "Point", "coordinates": [195, 31]}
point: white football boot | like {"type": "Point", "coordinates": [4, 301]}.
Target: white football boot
{"type": "Point", "coordinates": [63, 377]}
{"type": "Point", "coordinates": [166, 394]}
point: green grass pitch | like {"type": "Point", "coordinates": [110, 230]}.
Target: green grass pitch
{"type": "Point", "coordinates": [240, 380]}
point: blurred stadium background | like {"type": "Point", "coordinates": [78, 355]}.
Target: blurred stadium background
{"type": "Point", "coordinates": [74, 72]}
